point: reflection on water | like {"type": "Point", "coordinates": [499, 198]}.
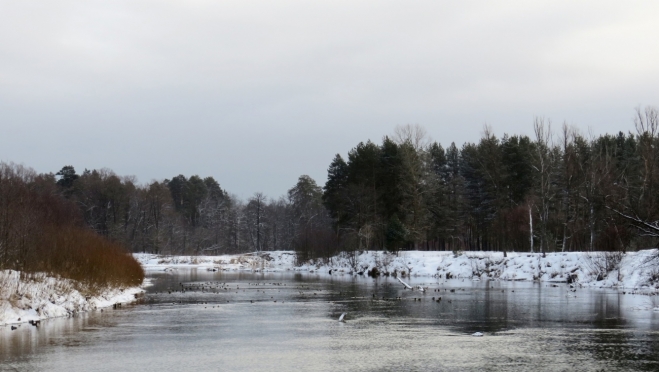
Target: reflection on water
{"type": "Point", "coordinates": [250, 322]}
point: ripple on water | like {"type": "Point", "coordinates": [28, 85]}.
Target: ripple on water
{"type": "Point", "coordinates": [245, 330]}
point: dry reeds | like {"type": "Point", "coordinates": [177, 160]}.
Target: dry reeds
{"type": "Point", "coordinates": [80, 254]}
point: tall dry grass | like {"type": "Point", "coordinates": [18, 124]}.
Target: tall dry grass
{"type": "Point", "coordinates": [81, 254]}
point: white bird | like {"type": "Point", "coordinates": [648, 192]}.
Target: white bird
{"type": "Point", "coordinates": [341, 318]}
{"type": "Point", "coordinates": [477, 334]}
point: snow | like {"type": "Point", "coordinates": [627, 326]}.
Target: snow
{"type": "Point", "coordinates": [583, 268]}
{"type": "Point", "coordinates": [264, 261]}
{"type": "Point", "coordinates": [29, 297]}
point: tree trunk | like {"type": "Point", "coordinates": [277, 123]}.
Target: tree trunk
{"type": "Point", "coordinates": [531, 228]}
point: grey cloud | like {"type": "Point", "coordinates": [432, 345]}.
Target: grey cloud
{"type": "Point", "coordinates": [257, 93]}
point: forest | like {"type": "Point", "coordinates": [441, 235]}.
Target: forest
{"type": "Point", "coordinates": [42, 231]}
{"type": "Point", "coordinates": [553, 192]}
{"type": "Point", "coordinates": [559, 190]}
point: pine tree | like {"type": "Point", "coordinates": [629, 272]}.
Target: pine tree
{"type": "Point", "coordinates": [396, 234]}
{"type": "Point", "coordinates": [67, 176]}
{"type": "Point", "coordinates": [335, 191]}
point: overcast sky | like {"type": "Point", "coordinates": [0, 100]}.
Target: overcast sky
{"type": "Point", "coordinates": [256, 93]}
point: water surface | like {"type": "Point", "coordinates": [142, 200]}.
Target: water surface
{"type": "Point", "coordinates": [285, 321]}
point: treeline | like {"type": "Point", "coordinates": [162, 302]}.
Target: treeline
{"type": "Point", "coordinates": [553, 192]}
{"type": "Point", "coordinates": [42, 231]}
{"type": "Point", "coordinates": [193, 215]}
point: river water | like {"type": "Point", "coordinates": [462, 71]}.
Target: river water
{"type": "Point", "coordinates": [197, 320]}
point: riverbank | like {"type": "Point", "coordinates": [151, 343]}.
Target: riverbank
{"type": "Point", "coordinates": [633, 270]}
{"type": "Point", "coordinates": [33, 297]}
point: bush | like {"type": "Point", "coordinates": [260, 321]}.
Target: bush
{"type": "Point", "coordinates": [80, 254]}
{"type": "Point", "coordinates": [602, 263]}
{"type": "Point", "coordinates": [374, 272]}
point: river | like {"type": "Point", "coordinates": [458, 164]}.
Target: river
{"type": "Point", "coordinates": [237, 321]}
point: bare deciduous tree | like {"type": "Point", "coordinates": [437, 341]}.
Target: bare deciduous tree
{"type": "Point", "coordinates": [414, 134]}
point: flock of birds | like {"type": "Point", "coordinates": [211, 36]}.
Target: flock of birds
{"type": "Point", "coordinates": [303, 292]}
{"type": "Point", "coordinates": [260, 291]}
{"type": "Point", "coordinates": [263, 290]}
{"type": "Point", "coordinates": [35, 323]}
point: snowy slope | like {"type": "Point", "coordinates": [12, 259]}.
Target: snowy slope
{"type": "Point", "coordinates": [634, 269]}
{"type": "Point", "coordinates": [37, 296]}
{"type": "Point", "coordinates": [265, 261]}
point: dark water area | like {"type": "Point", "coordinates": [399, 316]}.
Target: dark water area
{"type": "Point", "coordinates": [198, 320]}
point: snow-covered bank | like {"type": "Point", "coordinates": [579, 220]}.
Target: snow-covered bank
{"type": "Point", "coordinates": [634, 270]}
{"type": "Point", "coordinates": [30, 297]}
{"type": "Point", "coordinates": [630, 270]}
{"type": "Point", "coordinates": [265, 261]}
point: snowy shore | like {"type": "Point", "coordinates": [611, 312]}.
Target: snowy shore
{"type": "Point", "coordinates": [633, 270]}
{"type": "Point", "coordinates": [31, 297]}
{"type": "Point", "coordinates": [34, 297]}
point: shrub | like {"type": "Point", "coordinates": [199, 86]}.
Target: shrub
{"type": "Point", "coordinates": [80, 254]}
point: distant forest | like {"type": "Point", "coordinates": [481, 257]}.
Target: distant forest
{"type": "Point", "coordinates": [557, 191]}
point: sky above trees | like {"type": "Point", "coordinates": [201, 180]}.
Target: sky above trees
{"type": "Point", "coordinates": [258, 93]}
